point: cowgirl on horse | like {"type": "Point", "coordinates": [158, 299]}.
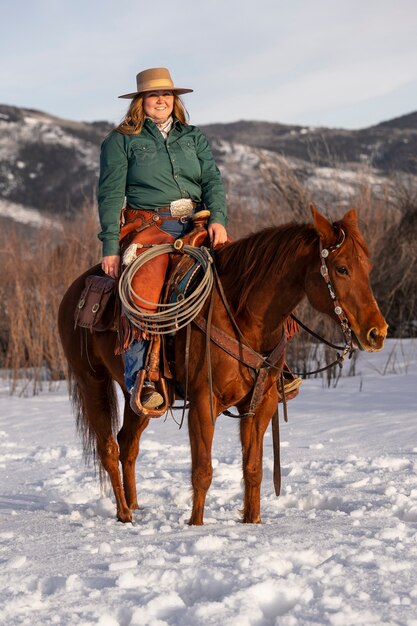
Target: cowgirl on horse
{"type": "Point", "coordinates": [165, 169]}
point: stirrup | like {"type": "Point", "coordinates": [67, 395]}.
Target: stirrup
{"type": "Point", "coordinates": [291, 388]}
{"type": "Point", "coordinates": [292, 385]}
{"type": "Point", "coordinates": [140, 401]}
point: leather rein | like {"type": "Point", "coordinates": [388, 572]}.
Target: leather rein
{"type": "Point", "coordinates": [239, 349]}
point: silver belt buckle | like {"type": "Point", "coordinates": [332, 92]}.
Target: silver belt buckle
{"type": "Point", "coordinates": [181, 208]}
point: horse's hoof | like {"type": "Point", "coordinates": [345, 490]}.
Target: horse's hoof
{"type": "Point", "coordinates": [249, 520]}
{"type": "Point", "coordinates": [125, 517]}
{"type": "Point", "coordinates": [194, 522]}
{"type": "Point", "coordinates": [134, 506]}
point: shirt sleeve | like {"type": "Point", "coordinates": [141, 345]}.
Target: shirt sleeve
{"type": "Point", "coordinates": [111, 191]}
{"type": "Point", "coordinates": [213, 193]}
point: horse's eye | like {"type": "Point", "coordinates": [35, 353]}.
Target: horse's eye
{"type": "Point", "coordinates": [342, 269]}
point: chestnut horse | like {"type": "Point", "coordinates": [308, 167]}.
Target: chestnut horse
{"type": "Point", "coordinates": [264, 276]}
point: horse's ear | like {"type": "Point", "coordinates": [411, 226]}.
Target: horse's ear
{"type": "Point", "coordinates": [323, 227]}
{"type": "Point", "coordinates": [350, 218]}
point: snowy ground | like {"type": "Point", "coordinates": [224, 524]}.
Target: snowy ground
{"type": "Point", "coordinates": [339, 546]}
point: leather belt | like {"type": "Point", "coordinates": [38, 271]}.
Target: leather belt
{"type": "Point", "coordinates": [130, 213]}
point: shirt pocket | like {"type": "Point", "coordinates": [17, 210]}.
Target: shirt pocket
{"type": "Point", "coordinates": [145, 153]}
{"type": "Point", "coordinates": [188, 148]}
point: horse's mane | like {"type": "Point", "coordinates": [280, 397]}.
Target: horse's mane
{"type": "Point", "coordinates": [261, 255]}
{"type": "Point", "coordinates": [266, 254]}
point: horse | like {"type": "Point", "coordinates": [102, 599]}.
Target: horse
{"type": "Point", "coordinates": [262, 278]}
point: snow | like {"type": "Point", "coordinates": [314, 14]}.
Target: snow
{"type": "Point", "coordinates": [346, 181]}
{"type": "Point", "coordinates": [36, 129]}
{"type": "Point", "coordinates": [338, 547]}
{"type": "Point", "coordinates": [24, 214]}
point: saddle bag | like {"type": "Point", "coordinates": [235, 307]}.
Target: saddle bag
{"type": "Point", "coordinates": [96, 307]}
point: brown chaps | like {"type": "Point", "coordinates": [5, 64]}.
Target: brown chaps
{"type": "Point", "coordinates": [148, 281]}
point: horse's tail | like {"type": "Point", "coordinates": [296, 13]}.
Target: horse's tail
{"type": "Point", "coordinates": [84, 426]}
{"type": "Point", "coordinates": [90, 385]}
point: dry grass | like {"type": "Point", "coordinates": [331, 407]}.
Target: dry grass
{"type": "Point", "coordinates": [36, 271]}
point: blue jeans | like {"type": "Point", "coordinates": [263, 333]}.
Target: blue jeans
{"type": "Point", "coordinates": [134, 360]}
{"type": "Point", "coordinates": [134, 356]}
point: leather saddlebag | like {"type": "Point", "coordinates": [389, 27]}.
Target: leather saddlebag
{"type": "Point", "coordinates": [96, 307]}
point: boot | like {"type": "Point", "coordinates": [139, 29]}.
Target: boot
{"type": "Point", "coordinates": [291, 384]}
{"type": "Point", "coordinates": [150, 398]}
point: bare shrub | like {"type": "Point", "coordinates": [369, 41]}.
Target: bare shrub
{"type": "Point", "coordinates": [277, 196]}
{"type": "Point", "coordinates": [36, 271]}
{"type": "Point", "coordinates": [395, 266]}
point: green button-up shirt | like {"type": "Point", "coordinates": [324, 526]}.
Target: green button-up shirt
{"type": "Point", "coordinates": [152, 172]}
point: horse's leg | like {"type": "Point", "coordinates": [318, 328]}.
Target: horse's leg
{"type": "Point", "coordinates": [201, 431]}
{"type": "Point", "coordinates": [128, 439]}
{"type": "Point", "coordinates": [252, 432]}
{"type": "Point", "coordinates": [97, 413]}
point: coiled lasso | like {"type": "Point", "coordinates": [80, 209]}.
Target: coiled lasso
{"type": "Point", "coordinates": [171, 316]}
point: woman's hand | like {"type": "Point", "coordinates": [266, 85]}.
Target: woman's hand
{"type": "Point", "coordinates": [111, 265]}
{"type": "Point", "coordinates": [217, 234]}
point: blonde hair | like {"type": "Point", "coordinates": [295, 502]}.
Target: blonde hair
{"type": "Point", "coordinates": [133, 121]}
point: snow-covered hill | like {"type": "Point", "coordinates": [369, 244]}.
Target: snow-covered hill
{"type": "Point", "coordinates": [47, 163]}
{"type": "Point", "coordinates": [50, 165]}
{"type": "Point", "coordinates": [338, 547]}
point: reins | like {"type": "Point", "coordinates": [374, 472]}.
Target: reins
{"type": "Point", "coordinates": [314, 334]}
{"type": "Point", "coordinates": [347, 350]}
{"type": "Point", "coordinates": [229, 312]}
{"type": "Point", "coordinates": [255, 361]}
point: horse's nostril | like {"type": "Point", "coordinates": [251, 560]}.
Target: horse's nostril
{"type": "Point", "coordinates": [372, 335]}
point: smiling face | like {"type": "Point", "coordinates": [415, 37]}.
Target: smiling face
{"type": "Point", "coordinates": [158, 105]}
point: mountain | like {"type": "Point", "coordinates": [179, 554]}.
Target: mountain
{"type": "Point", "coordinates": [46, 162]}
{"type": "Point", "coordinates": [387, 147]}
{"type": "Point", "coordinates": [49, 165]}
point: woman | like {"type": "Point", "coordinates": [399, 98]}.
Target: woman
{"type": "Point", "coordinates": [165, 169]}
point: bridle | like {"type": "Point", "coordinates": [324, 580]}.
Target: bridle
{"type": "Point", "coordinates": [348, 348]}
{"type": "Point", "coordinates": [324, 271]}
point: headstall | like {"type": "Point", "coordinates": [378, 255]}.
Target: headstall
{"type": "Point", "coordinates": [324, 271]}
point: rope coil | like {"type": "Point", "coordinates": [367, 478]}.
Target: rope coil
{"type": "Point", "coordinates": [172, 316]}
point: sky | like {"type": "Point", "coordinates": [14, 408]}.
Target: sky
{"type": "Point", "coordinates": [314, 63]}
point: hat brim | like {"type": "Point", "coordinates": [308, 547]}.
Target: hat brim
{"type": "Point", "coordinates": [176, 90]}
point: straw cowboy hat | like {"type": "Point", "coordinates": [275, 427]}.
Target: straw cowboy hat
{"type": "Point", "coordinates": [154, 79]}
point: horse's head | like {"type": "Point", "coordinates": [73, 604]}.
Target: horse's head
{"type": "Point", "coordinates": [344, 253]}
